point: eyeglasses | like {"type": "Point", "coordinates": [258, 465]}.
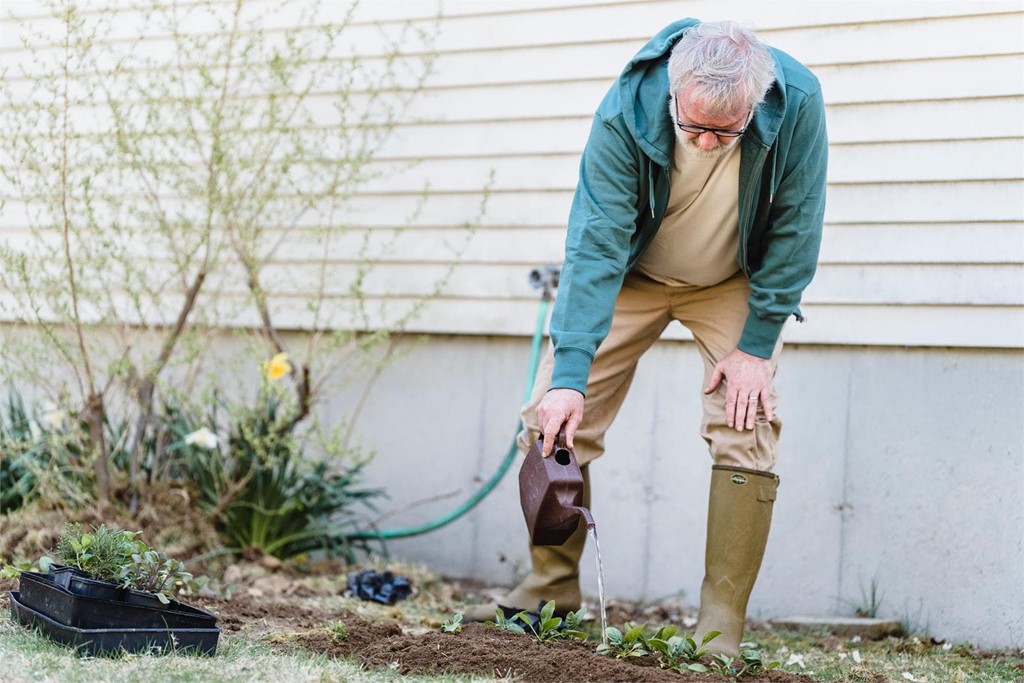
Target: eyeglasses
{"type": "Point", "coordinates": [694, 129]}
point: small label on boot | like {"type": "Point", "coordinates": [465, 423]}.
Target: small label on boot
{"type": "Point", "coordinates": [739, 479]}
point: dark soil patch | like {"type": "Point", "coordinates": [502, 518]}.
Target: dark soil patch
{"type": "Point", "coordinates": [484, 650]}
{"type": "Point", "coordinates": [268, 614]}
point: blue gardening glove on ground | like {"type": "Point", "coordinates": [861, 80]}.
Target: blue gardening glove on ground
{"type": "Point", "coordinates": [382, 587]}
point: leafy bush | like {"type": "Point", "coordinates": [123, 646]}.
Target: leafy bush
{"type": "Point", "coordinates": [17, 474]}
{"type": "Point", "coordinates": [263, 494]}
{"type": "Point", "coordinates": [46, 457]}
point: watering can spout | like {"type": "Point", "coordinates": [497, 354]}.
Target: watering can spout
{"type": "Point", "coordinates": [551, 494]}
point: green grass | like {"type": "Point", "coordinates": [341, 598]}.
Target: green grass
{"type": "Point", "coordinates": [26, 656]}
{"type": "Point", "coordinates": [832, 659]}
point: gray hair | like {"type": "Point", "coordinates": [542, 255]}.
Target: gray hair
{"type": "Point", "coordinates": [724, 64]}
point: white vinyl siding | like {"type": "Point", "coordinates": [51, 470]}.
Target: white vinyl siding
{"type": "Point", "coordinates": [924, 234]}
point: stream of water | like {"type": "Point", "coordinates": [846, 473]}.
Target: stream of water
{"type": "Point", "coordinates": [592, 528]}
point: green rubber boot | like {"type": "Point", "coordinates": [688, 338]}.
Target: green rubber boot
{"type": "Point", "coordinates": [739, 516]}
{"type": "Point", "coordinates": [554, 575]}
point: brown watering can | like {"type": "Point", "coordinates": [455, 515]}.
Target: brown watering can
{"type": "Point", "coordinates": [551, 493]}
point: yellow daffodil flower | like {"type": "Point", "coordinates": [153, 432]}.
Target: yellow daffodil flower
{"type": "Point", "coordinates": [277, 367]}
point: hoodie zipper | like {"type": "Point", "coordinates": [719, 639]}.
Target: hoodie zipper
{"type": "Point", "coordinates": [650, 184]}
{"type": "Point", "coordinates": [748, 196]}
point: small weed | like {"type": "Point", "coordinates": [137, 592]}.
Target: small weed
{"type": "Point", "coordinates": [871, 599]}
{"type": "Point", "coordinates": [453, 625]}
{"type": "Point", "coordinates": [337, 631]}
{"type": "Point", "coordinates": [915, 624]}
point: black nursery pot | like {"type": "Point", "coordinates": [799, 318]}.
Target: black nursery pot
{"type": "Point", "coordinates": [79, 582]}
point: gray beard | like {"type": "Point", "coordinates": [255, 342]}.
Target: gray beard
{"type": "Point", "coordinates": [692, 151]}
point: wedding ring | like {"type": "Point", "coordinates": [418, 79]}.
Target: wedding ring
{"type": "Point", "coordinates": [751, 398]}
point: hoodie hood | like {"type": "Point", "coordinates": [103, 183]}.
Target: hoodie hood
{"type": "Point", "coordinates": [644, 96]}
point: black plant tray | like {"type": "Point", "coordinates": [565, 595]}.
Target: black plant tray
{"type": "Point", "coordinates": [113, 640]}
{"type": "Point", "coordinates": [40, 593]}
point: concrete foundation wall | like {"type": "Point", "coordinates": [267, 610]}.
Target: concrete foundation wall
{"type": "Point", "coordinates": [902, 468]}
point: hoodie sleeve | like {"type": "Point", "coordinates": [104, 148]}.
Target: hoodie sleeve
{"type": "Point", "coordinates": [602, 222]}
{"type": "Point", "coordinates": [793, 238]}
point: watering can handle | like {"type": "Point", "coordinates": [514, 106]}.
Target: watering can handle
{"type": "Point", "coordinates": [560, 444]}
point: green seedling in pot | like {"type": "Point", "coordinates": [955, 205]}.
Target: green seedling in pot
{"type": "Point", "coordinates": [453, 625]}
{"type": "Point", "coordinates": [681, 653]}
{"type": "Point", "coordinates": [114, 555]}
{"type": "Point", "coordinates": [152, 571]}
{"type": "Point", "coordinates": [102, 553]}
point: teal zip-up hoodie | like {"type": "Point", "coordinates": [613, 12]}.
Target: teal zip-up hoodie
{"type": "Point", "coordinates": [623, 191]}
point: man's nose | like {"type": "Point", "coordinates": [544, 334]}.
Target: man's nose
{"type": "Point", "coordinates": [707, 140]}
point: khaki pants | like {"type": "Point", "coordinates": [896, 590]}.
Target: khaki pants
{"type": "Point", "coordinates": [715, 316]}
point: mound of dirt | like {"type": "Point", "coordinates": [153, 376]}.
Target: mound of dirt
{"type": "Point", "coordinates": [486, 651]}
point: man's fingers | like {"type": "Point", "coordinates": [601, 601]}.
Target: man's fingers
{"type": "Point", "coordinates": [766, 402]}
{"type": "Point", "coordinates": [716, 377]}
{"type": "Point", "coordinates": [570, 429]}
{"type": "Point", "coordinates": [550, 432]}
{"type": "Point", "coordinates": [730, 408]}
{"type": "Point", "coordinates": [751, 410]}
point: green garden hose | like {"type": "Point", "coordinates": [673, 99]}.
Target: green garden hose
{"type": "Point", "coordinates": [538, 337]}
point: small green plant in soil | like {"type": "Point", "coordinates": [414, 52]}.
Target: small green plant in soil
{"type": "Point", "coordinates": [453, 625]}
{"type": "Point", "coordinates": [751, 662]}
{"type": "Point", "coordinates": [683, 654]}
{"type": "Point", "coordinates": [504, 623]}
{"type": "Point", "coordinates": [550, 627]}
{"type": "Point", "coordinates": [337, 631]}
{"type": "Point", "coordinates": [632, 641]}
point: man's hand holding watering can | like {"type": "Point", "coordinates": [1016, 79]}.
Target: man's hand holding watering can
{"type": "Point", "coordinates": [559, 408]}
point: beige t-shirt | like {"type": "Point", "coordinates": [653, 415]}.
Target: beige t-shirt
{"type": "Point", "coordinates": [698, 239]}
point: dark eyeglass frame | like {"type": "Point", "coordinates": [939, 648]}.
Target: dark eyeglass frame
{"type": "Point", "coordinates": [694, 129]}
